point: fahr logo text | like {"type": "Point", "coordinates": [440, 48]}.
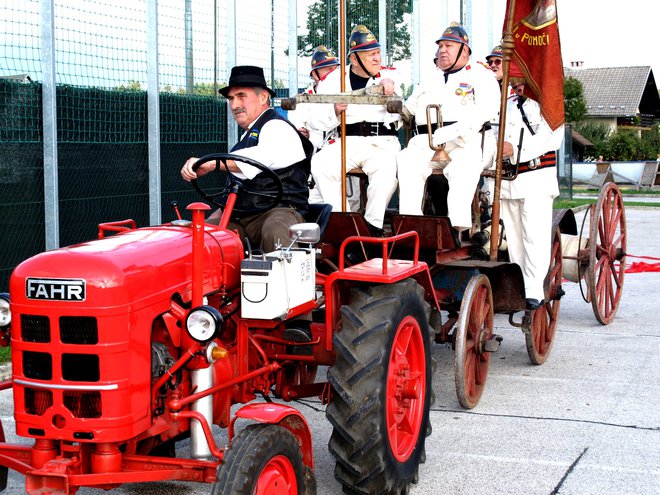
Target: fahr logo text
{"type": "Point", "coordinates": [55, 289]}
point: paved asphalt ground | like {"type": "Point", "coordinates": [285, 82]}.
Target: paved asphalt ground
{"type": "Point", "coordinates": [585, 422]}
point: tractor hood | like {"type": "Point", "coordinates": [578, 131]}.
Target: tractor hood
{"type": "Point", "coordinates": [133, 268]}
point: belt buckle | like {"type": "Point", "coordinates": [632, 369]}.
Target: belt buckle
{"type": "Point", "coordinates": [535, 162]}
{"type": "Point", "coordinates": [373, 128]}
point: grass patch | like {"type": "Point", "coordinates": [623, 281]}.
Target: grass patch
{"type": "Point", "coordinates": [624, 190]}
{"type": "Point", "coordinates": [562, 203]}
{"type": "Point", "coordinates": [5, 354]}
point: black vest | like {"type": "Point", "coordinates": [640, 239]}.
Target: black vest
{"type": "Point", "coordinates": [294, 177]}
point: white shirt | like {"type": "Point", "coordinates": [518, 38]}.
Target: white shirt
{"type": "Point", "coordinates": [279, 147]}
{"type": "Point", "coordinates": [302, 117]}
{"type": "Point", "coordinates": [543, 140]}
{"type": "Point", "coordinates": [470, 97]}
{"type": "Point", "coordinates": [325, 118]}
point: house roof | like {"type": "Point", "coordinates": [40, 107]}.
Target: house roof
{"type": "Point", "coordinates": [579, 138]}
{"type": "Point", "coordinates": [618, 91]}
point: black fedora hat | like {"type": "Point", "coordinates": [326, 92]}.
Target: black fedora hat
{"type": "Point", "coordinates": [246, 76]}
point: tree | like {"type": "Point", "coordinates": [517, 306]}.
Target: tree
{"type": "Point", "coordinates": [575, 105]}
{"type": "Point", "coordinates": [130, 87]}
{"type": "Point", "coordinates": [322, 22]}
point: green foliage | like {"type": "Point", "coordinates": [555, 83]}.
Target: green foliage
{"type": "Point", "coordinates": [650, 143]}
{"type": "Point", "coordinates": [5, 354]}
{"type": "Point", "coordinates": [575, 105]}
{"type": "Point", "coordinates": [131, 87]}
{"type": "Point", "coordinates": [622, 145]}
{"type": "Point", "coordinates": [322, 25]}
{"type": "Point", "coordinates": [406, 90]}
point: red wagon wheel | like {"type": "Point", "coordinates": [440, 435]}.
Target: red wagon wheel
{"type": "Point", "coordinates": [607, 253]}
{"type": "Point", "coordinates": [473, 333]}
{"type": "Point", "coordinates": [544, 319]}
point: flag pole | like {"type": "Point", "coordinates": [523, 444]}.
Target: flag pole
{"type": "Point", "coordinates": [342, 82]}
{"type": "Point", "coordinates": [507, 48]}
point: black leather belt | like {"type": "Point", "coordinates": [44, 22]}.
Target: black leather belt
{"type": "Point", "coordinates": [547, 160]}
{"type": "Point", "coordinates": [423, 129]}
{"type": "Point", "coordinates": [369, 129]}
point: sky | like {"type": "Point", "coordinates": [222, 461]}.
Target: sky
{"type": "Point", "coordinates": [605, 33]}
{"type": "Point", "coordinates": [599, 33]}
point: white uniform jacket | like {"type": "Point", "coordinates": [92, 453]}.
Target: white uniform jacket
{"type": "Point", "coordinates": [544, 139]}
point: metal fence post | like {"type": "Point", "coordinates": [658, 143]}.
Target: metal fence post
{"type": "Point", "coordinates": [382, 31]}
{"type": "Point", "coordinates": [415, 52]}
{"type": "Point", "coordinates": [49, 105]}
{"type": "Point", "coordinates": [153, 113]}
{"type": "Point", "coordinates": [188, 26]}
{"type": "Point", "coordinates": [293, 47]}
{"type": "Point", "coordinates": [232, 130]}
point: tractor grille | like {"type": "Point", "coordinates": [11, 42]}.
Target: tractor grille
{"type": "Point", "coordinates": [73, 366]}
{"type": "Point", "coordinates": [83, 404]}
{"type": "Point", "coordinates": [38, 365]}
{"type": "Point", "coordinates": [80, 367]}
{"type": "Point", "coordinates": [35, 328]}
{"type": "Point", "coordinates": [37, 400]}
{"type": "Point", "coordinates": [79, 330]}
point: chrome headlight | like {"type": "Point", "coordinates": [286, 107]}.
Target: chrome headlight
{"type": "Point", "coordinates": [203, 323]}
{"type": "Point", "coordinates": [5, 310]}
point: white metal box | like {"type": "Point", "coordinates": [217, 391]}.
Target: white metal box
{"type": "Point", "coordinates": [277, 282]}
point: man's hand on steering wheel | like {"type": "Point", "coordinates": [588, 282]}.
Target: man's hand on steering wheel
{"type": "Point", "coordinates": [189, 174]}
{"type": "Point", "coordinates": [268, 194]}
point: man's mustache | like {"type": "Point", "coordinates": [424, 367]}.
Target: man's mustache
{"type": "Point", "coordinates": [238, 110]}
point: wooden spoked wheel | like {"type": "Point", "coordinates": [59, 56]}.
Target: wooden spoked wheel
{"type": "Point", "coordinates": [474, 330]}
{"type": "Point", "coordinates": [543, 324]}
{"type": "Point", "coordinates": [607, 253]}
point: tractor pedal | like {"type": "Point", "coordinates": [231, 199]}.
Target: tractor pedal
{"type": "Point", "coordinates": [493, 343]}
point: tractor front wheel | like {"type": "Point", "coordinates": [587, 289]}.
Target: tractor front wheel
{"type": "Point", "coordinates": [264, 459]}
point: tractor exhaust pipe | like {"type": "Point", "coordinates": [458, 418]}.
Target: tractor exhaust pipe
{"type": "Point", "coordinates": [202, 379]}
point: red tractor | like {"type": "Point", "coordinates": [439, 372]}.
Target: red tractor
{"type": "Point", "coordinates": [124, 345]}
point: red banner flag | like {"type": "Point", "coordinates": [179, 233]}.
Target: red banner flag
{"type": "Point", "coordinates": [538, 52]}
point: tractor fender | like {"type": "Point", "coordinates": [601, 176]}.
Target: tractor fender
{"type": "Point", "coordinates": [284, 416]}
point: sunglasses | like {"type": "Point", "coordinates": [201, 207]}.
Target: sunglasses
{"type": "Point", "coordinates": [495, 61]}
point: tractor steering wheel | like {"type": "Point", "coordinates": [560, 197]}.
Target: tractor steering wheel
{"type": "Point", "coordinates": [268, 193]}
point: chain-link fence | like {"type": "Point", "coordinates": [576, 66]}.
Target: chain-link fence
{"type": "Point", "coordinates": [110, 148]}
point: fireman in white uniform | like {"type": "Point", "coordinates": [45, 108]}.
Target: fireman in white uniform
{"type": "Point", "coordinates": [526, 202]}
{"type": "Point", "coordinates": [469, 95]}
{"type": "Point", "coordinates": [323, 63]}
{"type": "Point", "coordinates": [371, 132]}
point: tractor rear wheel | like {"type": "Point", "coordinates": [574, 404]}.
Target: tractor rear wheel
{"type": "Point", "coordinates": [382, 393]}
{"type": "Point", "coordinates": [264, 459]}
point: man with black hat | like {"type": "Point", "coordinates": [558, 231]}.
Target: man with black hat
{"type": "Point", "coordinates": [271, 140]}
{"type": "Point", "coordinates": [371, 132]}
{"type": "Point", "coordinates": [469, 98]}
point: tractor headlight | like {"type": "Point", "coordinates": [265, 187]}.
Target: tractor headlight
{"type": "Point", "coordinates": [203, 323]}
{"type": "Point", "coordinates": [5, 311]}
